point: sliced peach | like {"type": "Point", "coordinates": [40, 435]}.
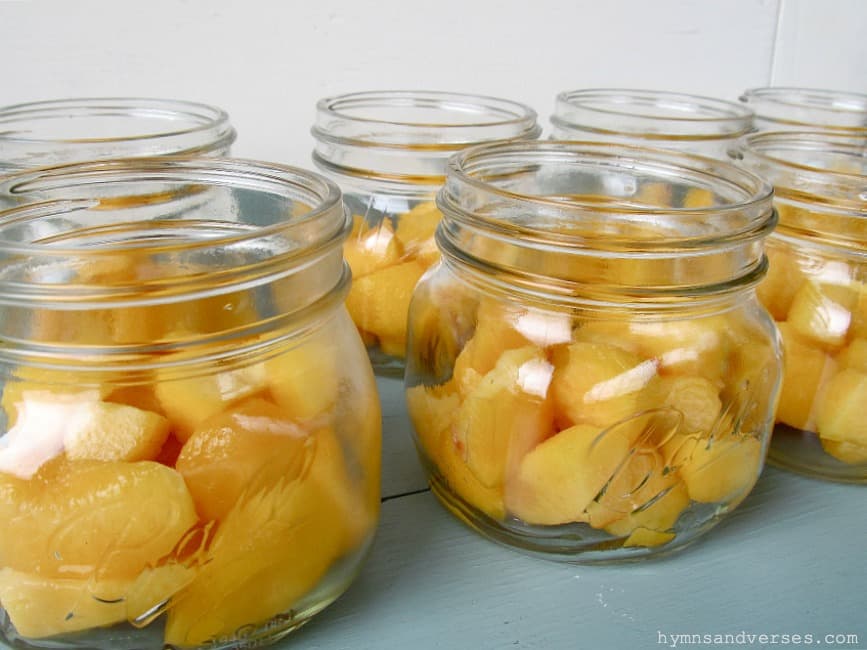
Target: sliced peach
{"type": "Point", "coordinates": [506, 415]}
{"type": "Point", "coordinates": [600, 384]}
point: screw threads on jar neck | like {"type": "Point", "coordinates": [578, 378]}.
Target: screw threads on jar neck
{"type": "Point", "coordinates": [127, 256]}
{"type": "Point", "coordinates": [651, 118]}
{"type": "Point", "coordinates": [588, 222]}
{"type": "Point", "coordinates": [40, 134]}
{"type": "Point", "coordinates": [800, 109]}
{"type": "Point", "coordinates": [820, 183]}
{"type": "Point", "coordinates": [406, 137]}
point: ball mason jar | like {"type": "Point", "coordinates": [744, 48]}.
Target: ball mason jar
{"type": "Point", "coordinates": [807, 109]}
{"type": "Point", "coordinates": [816, 290]}
{"type": "Point", "coordinates": [387, 151]}
{"type": "Point", "coordinates": [650, 118]}
{"type": "Point", "coordinates": [190, 448]}
{"type": "Point", "coordinates": [589, 375]}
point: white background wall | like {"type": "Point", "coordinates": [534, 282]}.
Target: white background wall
{"type": "Point", "coordinates": [267, 63]}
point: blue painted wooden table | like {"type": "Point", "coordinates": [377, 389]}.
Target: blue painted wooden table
{"type": "Point", "coordinates": [792, 560]}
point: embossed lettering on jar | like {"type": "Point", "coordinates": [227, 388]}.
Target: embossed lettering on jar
{"type": "Point", "coordinates": [190, 428]}
{"type": "Point", "coordinates": [816, 290]}
{"type": "Point", "coordinates": [589, 375]}
{"type": "Point", "coordinates": [387, 151]}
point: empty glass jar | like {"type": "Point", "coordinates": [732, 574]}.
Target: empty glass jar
{"type": "Point", "coordinates": [589, 374]}
{"type": "Point", "coordinates": [650, 118]}
{"type": "Point", "coordinates": [190, 442]}
{"type": "Point", "coordinates": [387, 151]}
{"type": "Point", "coordinates": [816, 290]}
{"type": "Point", "coordinates": [807, 109]}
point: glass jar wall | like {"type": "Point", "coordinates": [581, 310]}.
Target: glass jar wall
{"type": "Point", "coordinates": [387, 151]}
{"type": "Point", "coordinates": [807, 109]}
{"type": "Point", "coordinates": [191, 432]}
{"type": "Point", "coordinates": [816, 290]}
{"type": "Point", "coordinates": [40, 134]}
{"type": "Point", "coordinates": [589, 374]}
{"type": "Point", "coordinates": [649, 118]}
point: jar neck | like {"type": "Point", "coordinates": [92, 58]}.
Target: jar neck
{"type": "Point", "coordinates": [230, 249]}
{"type": "Point", "coordinates": [56, 132]}
{"type": "Point", "coordinates": [404, 138]}
{"type": "Point", "coordinates": [655, 118]}
{"type": "Point", "coordinates": [575, 223]}
{"type": "Point", "coordinates": [820, 183]}
{"type": "Point", "coordinates": [799, 109]}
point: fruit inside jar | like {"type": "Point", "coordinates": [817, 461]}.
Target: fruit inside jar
{"type": "Point", "coordinates": [613, 427]}
{"type": "Point", "coordinates": [223, 486]}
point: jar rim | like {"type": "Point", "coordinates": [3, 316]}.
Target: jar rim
{"type": "Point", "coordinates": [756, 191]}
{"type": "Point", "coordinates": [833, 100]}
{"type": "Point", "coordinates": [683, 113]}
{"type": "Point", "coordinates": [184, 127]}
{"type": "Point", "coordinates": [273, 178]}
{"type": "Point", "coordinates": [462, 119]}
{"type": "Point", "coordinates": [762, 144]}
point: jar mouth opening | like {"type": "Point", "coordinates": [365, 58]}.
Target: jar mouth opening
{"type": "Point", "coordinates": [650, 113]}
{"type": "Point", "coordinates": [812, 166]}
{"type": "Point", "coordinates": [146, 231]}
{"type": "Point", "coordinates": [622, 200]}
{"type": "Point", "coordinates": [788, 96]}
{"type": "Point", "coordinates": [421, 119]}
{"type": "Point", "coordinates": [69, 130]}
{"type": "Point", "coordinates": [132, 183]}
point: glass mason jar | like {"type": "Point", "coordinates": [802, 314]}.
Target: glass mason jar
{"type": "Point", "coordinates": [191, 432]}
{"type": "Point", "coordinates": [807, 109]}
{"type": "Point", "coordinates": [816, 290]}
{"type": "Point", "coordinates": [650, 118]}
{"type": "Point", "coordinates": [41, 134]}
{"type": "Point", "coordinates": [589, 374]}
{"type": "Point", "coordinates": [387, 151]}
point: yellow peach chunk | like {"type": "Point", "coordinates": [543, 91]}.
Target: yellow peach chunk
{"type": "Point", "coordinates": [79, 518]}
{"type": "Point", "coordinates": [393, 346]}
{"type": "Point", "coordinates": [600, 384]}
{"type": "Point", "coordinates": [720, 469]}
{"type": "Point", "coordinates": [698, 197]}
{"type": "Point", "coordinates": [633, 483]}
{"type": "Point", "coordinates": [238, 451]}
{"type": "Point", "coordinates": [432, 410]}
{"type": "Point", "coordinates": [698, 347]}
{"type": "Point", "coordinates": [140, 396]}
{"type": "Point", "coordinates": [784, 278]}
{"type": "Point", "coordinates": [840, 413]}
{"type": "Point", "coordinates": [451, 463]}
{"type": "Point", "coordinates": [112, 432]}
{"type": "Point", "coordinates": [415, 229]}
{"type": "Point", "coordinates": [272, 549]}
{"type": "Point", "coordinates": [696, 398]}
{"type": "Point", "coordinates": [506, 415]}
{"type": "Point", "coordinates": [846, 452]}
{"type": "Point", "coordinates": [561, 476]}
{"type": "Point", "coordinates": [853, 355]}
{"type": "Point", "coordinates": [303, 380]}
{"type": "Point", "coordinates": [370, 248]}
{"type": "Point", "coordinates": [44, 386]}
{"type": "Point", "coordinates": [190, 401]}
{"type": "Point", "coordinates": [651, 525]}
{"type": "Point", "coordinates": [821, 313]}
{"type": "Point", "coordinates": [495, 333]}
{"type": "Point", "coordinates": [41, 607]}
{"type": "Point", "coordinates": [805, 371]}
{"type": "Point", "coordinates": [379, 302]}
